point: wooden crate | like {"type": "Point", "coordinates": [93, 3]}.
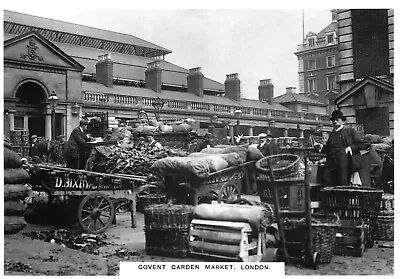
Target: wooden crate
{"type": "Point", "coordinates": [225, 240]}
{"type": "Point", "coordinates": [350, 238]}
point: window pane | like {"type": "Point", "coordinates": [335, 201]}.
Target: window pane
{"type": "Point", "coordinates": [18, 122]}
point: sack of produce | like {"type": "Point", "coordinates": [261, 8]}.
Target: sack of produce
{"type": "Point", "coordinates": [253, 153]}
{"type": "Point", "coordinates": [15, 176]}
{"type": "Point", "coordinates": [13, 224]}
{"type": "Point", "coordinates": [155, 123]}
{"type": "Point", "coordinates": [388, 140]}
{"type": "Point", "coordinates": [381, 147]}
{"type": "Point", "coordinates": [239, 149]}
{"type": "Point", "coordinates": [372, 138]}
{"type": "Point", "coordinates": [16, 191]}
{"type": "Point", "coordinates": [212, 150]}
{"type": "Point", "coordinates": [165, 129]}
{"type": "Point", "coordinates": [14, 208]}
{"type": "Point", "coordinates": [11, 159]}
{"type": "Point", "coordinates": [200, 166]}
{"type": "Point", "coordinates": [215, 162]}
{"type": "Point", "coordinates": [149, 129]}
{"type": "Point", "coordinates": [256, 216]}
{"type": "Point", "coordinates": [168, 164]}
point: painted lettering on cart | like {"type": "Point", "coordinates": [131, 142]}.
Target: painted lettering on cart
{"type": "Point", "coordinates": [72, 183]}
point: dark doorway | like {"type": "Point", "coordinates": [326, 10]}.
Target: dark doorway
{"type": "Point", "coordinates": [375, 120]}
{"type": "Point", "coordinates": [36, 125]}
{"type": "Point", "coordinates": [32, 99]}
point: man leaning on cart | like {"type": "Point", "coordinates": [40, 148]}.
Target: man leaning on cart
{"type": "Point", "coordinates": [74, 151]}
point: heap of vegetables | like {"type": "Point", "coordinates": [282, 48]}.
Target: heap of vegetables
{"type": "Point", "coordinates": [128, 160]}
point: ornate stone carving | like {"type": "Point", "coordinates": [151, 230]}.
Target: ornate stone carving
{"type": "Point", "coordinates": [31, 51]}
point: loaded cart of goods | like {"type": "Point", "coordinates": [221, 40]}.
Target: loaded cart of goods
{"type": "Point", "coordinates": [92, 196]}
{"type": "Point", "coordinates": [218, 173]}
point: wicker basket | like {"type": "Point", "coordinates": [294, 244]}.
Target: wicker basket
{"type": "Point", "coordinates": [323, 236]}
{"type": "Point", "coordinates": [168, 216]}
{"type": "Point", "coordinates": [283, 165]}
{"type": "Point", "coordinates": [172, 243]}
{"type": "Point", "coordinates": [385, 225]}
{"type": "Point", "coordinates": [354, 203]}
{"type": "Point", "coordinates": [144, 200]}
{"type": "Point", "coordinates": [291, 195]}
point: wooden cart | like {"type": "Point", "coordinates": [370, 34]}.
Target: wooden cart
{"type": "Point", "coordinates": [223, 185]}
{"type": "Point", "coordinates": [96, 193]}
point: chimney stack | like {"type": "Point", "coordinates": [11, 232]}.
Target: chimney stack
{"type": "Point", "coordinates": [232, 86]}
{"type": "Point", "coordinates": [290, 89]}
{"type": "Point", "coordinates": [334, 15]}
{"type": "Point", "coordinates": [153, 76]}
{"type": "Point", "coordinates": [195, 82]}
{"type": "Point", "coordinates": [104, 70]}
{"type": "Point", "coordinates": [266, 91]}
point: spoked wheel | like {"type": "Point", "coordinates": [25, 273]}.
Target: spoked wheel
{"type": "Point", "coordinates": [228, 194]}
{"type": "Point", "coordinates": [95, 213]}
{"type": "Point", "coordinates": [313, 260]}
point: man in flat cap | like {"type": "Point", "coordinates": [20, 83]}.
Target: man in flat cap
{"type": "Point", "coordinates": [75, 154]}
{"type": "Point", "coordinates": [206, 143]}
{"type": "Point", "coordinates": [266, 145]}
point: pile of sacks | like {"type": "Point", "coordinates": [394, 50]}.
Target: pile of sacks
{"type": "Point", "coordinates": [209, 160]}
{"type": "Point", "coordinates": [158, 126]}
{"type": "Point", "coordinates": [15, 191]}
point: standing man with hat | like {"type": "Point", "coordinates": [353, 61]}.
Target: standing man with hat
{"type": "Point", "coordinates": [342, 143]}
{"type": "Point", "coordinates": [266, 144]}
{"type": "Point", "coordinates": [75, 153]}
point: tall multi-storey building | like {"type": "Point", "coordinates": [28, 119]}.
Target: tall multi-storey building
{"type": "Point", "coordinates": [317, 64]}
{"type": "Point", "coordinates": [366, 68]}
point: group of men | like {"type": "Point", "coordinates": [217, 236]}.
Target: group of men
{"type": "Point", "coordinates": [343, 143]}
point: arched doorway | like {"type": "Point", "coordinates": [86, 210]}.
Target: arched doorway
{"type": "Point", "coordinates": [32, 100]}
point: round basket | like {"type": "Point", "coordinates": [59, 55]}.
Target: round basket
{"type": "Point", "coordinates": [283, 165]}
{"type": "Point", "coordinates": [387, 202]}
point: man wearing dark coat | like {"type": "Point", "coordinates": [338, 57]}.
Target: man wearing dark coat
{"type": "Point", "coordinates": [342, 143]}
{"type": "Point", "coordinates": [266, 144]}
{"type": "Point", "coordinates": [74, 150]}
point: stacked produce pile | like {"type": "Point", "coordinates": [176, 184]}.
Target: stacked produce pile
{"type": "Point", "coordinates": [209, 160]}
{"type": "Point", "coordinates": [128, 160]}
{"type": "Point", "coordinates": [15, 190]}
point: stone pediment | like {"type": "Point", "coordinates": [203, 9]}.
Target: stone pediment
{"type": "Point", "coordinates": [32, 48]}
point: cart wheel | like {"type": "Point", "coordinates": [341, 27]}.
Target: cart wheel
{"type": "Point", "coordinates": [95, 213]}
{"type": "Point", "coordinates": [228, 194]}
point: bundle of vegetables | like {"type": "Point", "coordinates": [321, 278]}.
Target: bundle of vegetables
{"type": "Point", "coordinates": [128, 160]}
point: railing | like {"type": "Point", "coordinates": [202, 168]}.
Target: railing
{"type": "Point", "coordinates": [176, 104]}
{"type": "Point", "coordinates": [278, 113]}
{"type": "Point", "coordinates": [222, 108]}
{"type": "Point", "coordinates": [260, 112]}
{"type": "Point", "coordinates": [293, 114]}
{"type": "Point", "coordinates": [113, 99]}
{"type": "Point", "coordinates": [310, 116]}
{"type": "Point", "coordinates": [200, 106]}
{"type": "Point", "coordinates": [318, 44]}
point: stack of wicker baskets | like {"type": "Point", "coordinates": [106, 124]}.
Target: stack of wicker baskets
{"type": "Point", "coordinates": [385, 224]}
{"type": "Point", "coordinates": [356, 204]}
{"type": "Point", "coordinates": [167, 228]}
{"type": "Point", "coordinates": [322, 232]}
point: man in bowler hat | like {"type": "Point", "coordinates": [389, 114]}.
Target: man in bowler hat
{"type": "Point", "coordinates": [342, 143]}
{"type": "Point", "coordinates": [75, 153]}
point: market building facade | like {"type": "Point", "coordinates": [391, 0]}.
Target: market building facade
{"type": "Point", "coordinates": [366, 69]}
{"type": "Point", "coordinates": [91, 70]}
